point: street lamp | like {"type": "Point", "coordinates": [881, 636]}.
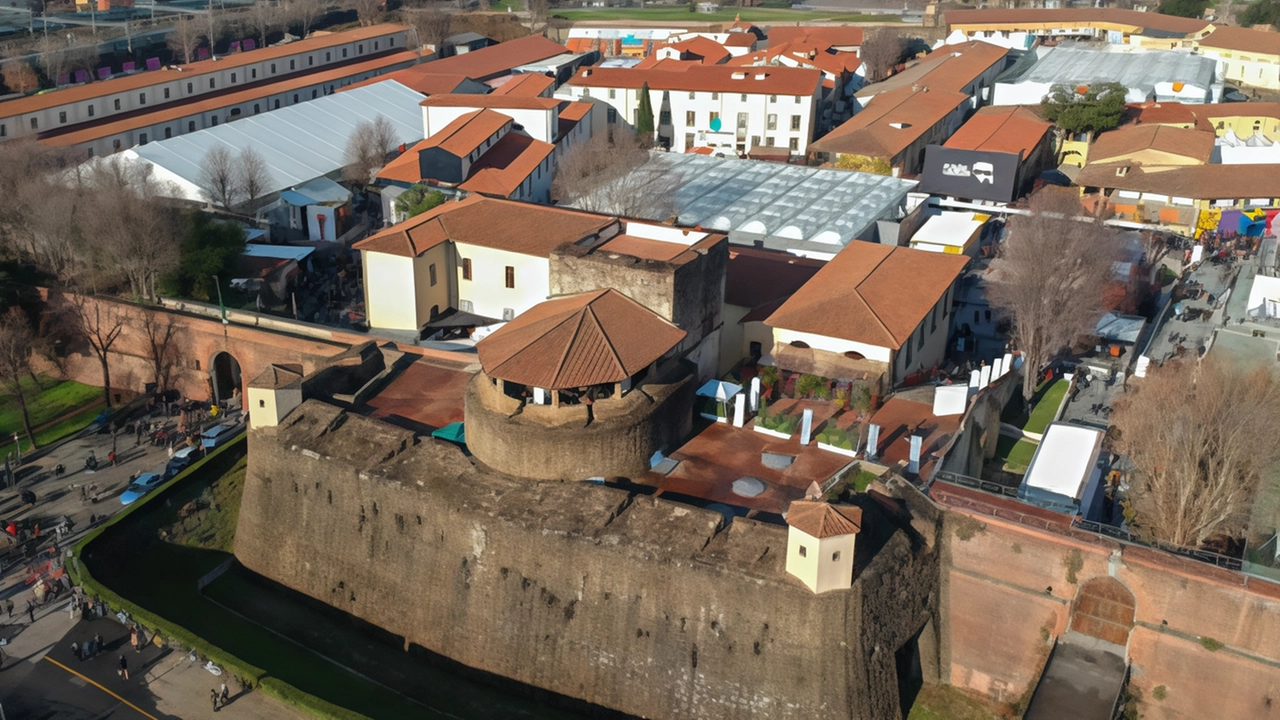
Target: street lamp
{"type": "Point", "coordinates": [221, 307]}
{"type": "Point", "coordinates": [18, 447]}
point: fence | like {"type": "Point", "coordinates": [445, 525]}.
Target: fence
{"type": "Point", "coordinates": [976, 483]}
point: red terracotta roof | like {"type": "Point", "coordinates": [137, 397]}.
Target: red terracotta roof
{"type": "Point", "coordinates": [405, 167]}
{"type": "Point", "coordinates": [659, 250]}
{"type": "Point", "coordinates": [839, 35]}
{"type": "Point", "coordinates": [951, 67]}
{"type": "Point", "coordinates": [1009, 129]}
{"type": "Point", "coordinates": [869, 293]}
{"type": "Point", "coordinates": [497, 59]}
{"type": "Point", "coordinates": [1123, 141]}
{"type": "Point", "coordinates": [418, 81]}
{"type": "Point", "coordinates": [819, 55]}
{"type": "Point", "coordinates": [1199, 182]}
{"type": "Point", "coordinates": [77, 93]}
{"type": "Point", "coordinates": [1242, 39]}
{"type": "Point", "coordinates": [169, 112]}
{"type": "Point", "coordinates": [593, 338]}
{"type": "Point", "coordinates": [704, 78]}
{"type": "Point", "coordinates": [1165, 113]}
{"type": "Point", "coordinates": [467, 132]}
{"type": "Point", "coordinates": [702, 49]}
{"type": "Point", "coordinates": [525, 85]}
{"type": "Point", "coordinates": [571, 113]}
{"type": "Point", "coordinates": [516, 227]}
{"type": "Point", "coordinates": [506, 165]}
{"type": "Point", "coordinates": [823, 520]}
{"type": "Point", "coordinates": [891, 122]}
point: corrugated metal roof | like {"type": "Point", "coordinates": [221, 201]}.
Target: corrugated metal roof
{"type": "Point", "coordinates": [299, 143]}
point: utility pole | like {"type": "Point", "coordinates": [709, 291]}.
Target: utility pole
{"type": "Point", "coordinates": [212, 36]}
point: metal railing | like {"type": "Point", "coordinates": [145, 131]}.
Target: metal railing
{"type": "Point", "coordinates": [1205, 556]}
{"type": "Point", "coordinates": [976, 483]}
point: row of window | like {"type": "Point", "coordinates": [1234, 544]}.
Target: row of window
{"type": "Point", "coordinates": [769, 141]}
{"type": "Point", "coordinates": [613, 95]}
{"type": "Point", "coordinates": [213, 85]}
{"type": "Point", "coordinates": [804, 552]}
{"type": "Point", "coordinates": [933, 327]}
{"type": "Point", "coordinates": [466, 273]}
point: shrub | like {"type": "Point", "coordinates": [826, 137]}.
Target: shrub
{"type": "Point", "coordinates": [1210, 644]}
{"type": "Point", "coordinates": [1160, 692]}
{"type": "Point", "coordinates": [832, 435]}
{"type": "Point", "coordinates": [812, 386]}
{"type": "Point", "coordinates": [768, 376]}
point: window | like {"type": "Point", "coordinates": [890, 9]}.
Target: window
{"type": "Point", "coordinates": [586, 92]}
{"type": "Point", "coordinates": [4, 130]}
{"type": "Point", "coordinates": [34, 124]}
{"type": "Point", "coordinates": [804, 551]}
{"type": "Point", "coordinates": [115, 144]}
{"type": "Point", "coordinates": [768, 142]}
{"type": "Point", "coordinates": [168, 133]}
{"type": "Point", "coordinates": [946, 304]}
{"type": "Point", "coordinates": [693, 96]}
{"type": "Point", "coordinates": [933, 319]}
{"type": "Point", "coordinates": [511, 277]}
{"type": "Point", "coordinates": [613, 94]}
{"type": "Point", "coordinates": [773, 98]}
{"type": "Point", "coordinates": [262, 403]}
{"type": "Point", "coordinates": [233, 77]}
{"type": "Point", "coordinates": [797, 99]}
{"type": "Point", "coordinates": [212, 84]}
{"type": "Point", "coordinates": [328, 56]}
{"type": "Point", "coordinates": [293, 64]}
{"type": "Point", "coordinates": [466, 306]}
{"type": "Point", "coordinates": [142, 98]}
{"type": "Point", "coordinates": [90, 152]}
{"type": "Point", "coordinates": [117, 103]}
{"type": "Point", "coordinates": [920, 337]}
{"type": "Point", "coordinates": [213, 121]}
{"type": "Point", "coordinates": [771, 122]}
{"type": "Point", "coordinates": [690, 118]}
{"type": "Point", "coordinates": [755, 141]}
{"type": "Point", "coordinates": [273, 68]}
{"type": "Point", "coordinates": [166, 93]}
{"type": "Point", "coordinates": [360, 48]}
{"type": "Point", "coordinates": [508, 314]}
{"type": "Point", "coordinates": [715, 96]}
{"type": "Point", "coordinates": [277, 107]}
{"type": "Point", "coordinates": [714, 117]}
{"type": "Point", "coordinates": [744, 97]}
{"type": "Point", "coordinates": [794, 144]}
{"type": "Point", "coordinates": [256, 109]}
{"type": "Point", "coordinates": [664, 117]}
{"type": "Point", "coordinates": [189, 90]}
{"type": "Point", "coordinates": [835, 556]}
{"type": "Point", "coordinates": [191, 126]}
{"type": "Point", "coordinates": [311, 60]}
{"type": "Point", "coordinates": [62, 116]}
{"type": "Point", "coordinates": [375, 44]}
{"type": "Point", "coordinates": [391, 42]}
{"type": "Point", "coordinates": [466, 268]}
{"type": "Point", "coordinates": [344, 52]}
{"type": "Point", "coordinates": [431, 270]}
{"type": "Point", "coordinates": [313, 93]}
{"type": "Point", "coordinates": [253, 73]}
{"type": "Point", "coordinates": [142, 139]}
{"type": "Point", "coordinates": [295, 97]}
{"type": "Point", "coordinates": [795, 122]}
{"type": "Point", "coordinates": [90, 111]}
{"type": "Point", "coordinates": [612, 115]}
{"type": "Point", "coordinates": [906, 353]}
{"type": "Point", "coordinates": [688, 140]}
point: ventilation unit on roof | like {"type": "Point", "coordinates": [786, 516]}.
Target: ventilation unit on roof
{"type": "Point", "coordinates": [761, 76]}
{"type": "Point", "coordinates": [1122, 171]}
{"type": "Point", "coordinates": [739, 76]}
{"type": "Point", "coordinates": [899, 125]}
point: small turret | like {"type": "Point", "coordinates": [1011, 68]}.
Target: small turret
{"type": "Point", "coordinates": [274, 394]}
{"type": "Point", "coordinates": [820, 543]}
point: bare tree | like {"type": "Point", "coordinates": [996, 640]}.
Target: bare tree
{"type": "Point", "coordinates": [263, 17]}
{"type": "Point", "coordinates": [20, 77]}
{"type": "Point", "coordinates": [1201, 434]}
{"type": "Point", "coordinates": [433, 25]}
{"type": "Point", "coordinates": [305, 13]}
{"type": "Point", "coordinates": [52, 57]}
{"type": "Point", "coordinates": [138, 230]}
{"type": "Point", "coordinates": [882, 49]}
{"type": "Point", "coordinates": [367, 149]}
{"type": "Point", "coordinates": [617, 177]}
{"type": "Point", "coordinates": [185, 38]}
{"type": "Point", "coordinates": [1050, 278]}
{"type": "Point", "coordinates": [218, 176]}
{"type": "Point", "coordinates": [253, 176]}
{"type": "Point", "coordinates": [17, 342]}
{"type": "Point", "coordinates": [162, 336]}
{"type": "Point", "coordinates": [101, 323]}
{"type": "Point", "coordinates": [368, 10]}
{"type": "Point", "coordinates": [538, 12]}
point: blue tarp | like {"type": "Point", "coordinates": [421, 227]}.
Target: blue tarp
{"type": "Point", "coordinates": [453, 432]}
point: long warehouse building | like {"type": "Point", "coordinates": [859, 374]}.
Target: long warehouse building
{"type": "Point", "coordinates": [112, 98]}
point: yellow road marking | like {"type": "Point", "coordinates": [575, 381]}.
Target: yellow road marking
{"type": "Point", "coordinates": [139, 710]}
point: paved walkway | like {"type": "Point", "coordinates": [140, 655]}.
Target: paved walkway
{"type": "Point", "coordinates": [40, 673]}
{"type": "Point", "coordinates": [1081, 682]}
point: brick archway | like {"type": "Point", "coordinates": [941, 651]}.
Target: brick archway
{"type": "Point", "coordinates": [1104, 609]}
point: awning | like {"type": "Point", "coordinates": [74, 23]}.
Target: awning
{"type": "Point", "coordinates": [719, 389]}
{"type": "Point", "coordinates": [452, 432]}
{"type": "Point", "coordinates": [459, 319]}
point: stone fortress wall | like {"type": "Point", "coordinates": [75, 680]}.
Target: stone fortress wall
{"type": "Point", "coordinates": [642, 605]}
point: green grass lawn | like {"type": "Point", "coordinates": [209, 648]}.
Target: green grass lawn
{"type": "Point", "coordinates": [1047, 400]}
{"type": "Point", "coordinates": [507, 5]}
{"type": "Point", "coordinates": [53, 410]}
{"type": "Point", "coordinates": [681, 14]}
{"type": "Point", "coordinates": [942, 702]}
{"type": "Point", "coordinates": [1015, 453]}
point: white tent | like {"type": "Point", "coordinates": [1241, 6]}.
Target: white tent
{"type": "Point", "coordinates": [719, 389]}
{"type": "Point", "coordinates": [299, 143]}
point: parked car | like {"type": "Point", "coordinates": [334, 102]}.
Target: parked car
{"type": "Point", "coordinates": [218, 435]}
{"type": "Point", "coordinates": [182, 459]}
{"type": "Point", "coordinates": [145, 483]}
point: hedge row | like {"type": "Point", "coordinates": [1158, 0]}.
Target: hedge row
{"type": "Point", "coordinates": [205, 471]}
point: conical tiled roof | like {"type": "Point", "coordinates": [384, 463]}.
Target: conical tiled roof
{"type": "Point", "coordinates": [592, 338]}
{"type": "Point", "coordinates": [822, 520]}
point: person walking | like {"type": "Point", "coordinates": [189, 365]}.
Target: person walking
{"type": "Point", "coordinates": [213, 696]}
{"type": "Point", "coordinates": [8, 606]}
{"type": "Point", "coordinates": [124, 668]}
{"type": "Point", "coordinates": [31, 611]}
{"type": "Point", "coordinates": [223, 695]}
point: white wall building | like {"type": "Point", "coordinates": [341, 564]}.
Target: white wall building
{"type": "Point", "coordinates": [713, 106]}
{"type": "Point", "coordinates": [1159, 75]}
{"type": "Point", "coordinates": [821, 541]}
